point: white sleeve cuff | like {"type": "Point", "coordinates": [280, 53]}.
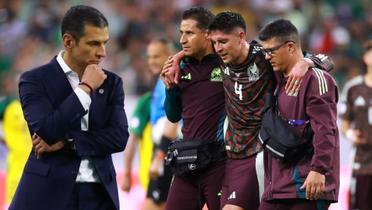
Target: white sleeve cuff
{"type": "Point", "coordinates": [84, 98]}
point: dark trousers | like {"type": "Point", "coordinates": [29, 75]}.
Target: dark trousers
{"type": "Point", "coordinates": [361, 200]}
{"type": "Point", "coordinates": [90, 196]}
{"type": "Point", "coordinates": [193, 192]}
{"type": "Point", "coordinates": [294, 204]}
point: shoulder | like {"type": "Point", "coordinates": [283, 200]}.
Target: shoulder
{"type": "Point", "coordinates": [40, 71]}
{"type": "Point", "coordinates": [320, 81]}
{"type": "Point", "coordinates": [350, 85]}
{"type": "Point", "coordinates": [111, 75]}
{"type": "Point", "coordinates": [113, 78]}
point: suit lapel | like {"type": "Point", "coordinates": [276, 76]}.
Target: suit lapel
{"type": "Point", "coordinates": [58, 86]}
{"type": "Point", "coordinates": [57, 82]}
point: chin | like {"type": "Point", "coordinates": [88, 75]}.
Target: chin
{"type": "Point", "coordinates": [225, 59]}
{"type": "Point", "coordinates": [190, 54]}
{"type": "Point", "coordinates": [275, 68]}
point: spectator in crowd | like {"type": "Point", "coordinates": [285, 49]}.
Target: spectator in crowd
{"type": "Point", "coordinates": [356, 125]}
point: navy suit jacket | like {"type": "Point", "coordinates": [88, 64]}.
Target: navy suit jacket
{"type": "Point", "coordinates": [54, 112]}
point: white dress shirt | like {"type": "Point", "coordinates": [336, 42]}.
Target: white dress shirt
{"type": "Point", "coordinates": [87, 172]}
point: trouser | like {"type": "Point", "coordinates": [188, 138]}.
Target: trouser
{"type": "Point", "coordinates": [90, 196]}
{"type": "Point", "coordinates": [360, 197]}
{"type": "Point", "coordinates": [191, 193]}
{"type": "Point", "coordinates": [294, 204]}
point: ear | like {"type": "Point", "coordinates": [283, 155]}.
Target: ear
{"type": "Point", "coordinates": [242, 37]}
{"type": "Point", "coordinates": [207, 35]}
{"type": "Point", "coordinates": [292, 48]}
{"type": "Point", "coordinates": [68, 41]}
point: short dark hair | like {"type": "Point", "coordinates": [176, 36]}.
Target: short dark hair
{"type": "Point", "coordinates": [78, 16]}
{"type": "Point", "coordinates": [160, 40]}
{"type": "Point", "coordinates": [281, 29]}
{"type": "Point", "coordinates": [201, 15]}
{"type": "Point", "coordinates": [227, 22]}
{"type": "Point", "coordinates": [164, 42]}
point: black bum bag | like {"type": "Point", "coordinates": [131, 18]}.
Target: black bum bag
{"type": "Point", "coordinates": [192, 157]}
{"type": "Point", "coordinates": [278, 139]}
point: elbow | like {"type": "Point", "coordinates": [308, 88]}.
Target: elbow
{"type": "Point", "coordinates": [123, 141]}
{"type": "Point", "coordinates": [48, 136]}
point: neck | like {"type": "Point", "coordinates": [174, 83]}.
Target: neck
{"type": "Point", "coordinates": [295, 58]}
{"type": "Point", "coordinates": [69, 60]}
{"type": "Point", "coordinates": [206, 51]}
{"type": "Point", "coordinates": [368, 76]}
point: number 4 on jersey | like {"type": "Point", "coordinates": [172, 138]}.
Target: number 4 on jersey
{"type": "Point", "coordinates": [238, 90]}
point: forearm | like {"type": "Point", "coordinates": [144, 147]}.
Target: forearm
{"type": "Point", "coordinates": [103, 141]}
{"type": "Point", "coordinates": [173, 105]}
{"type": "Point", "coordinates": [129, 152]}
{"type": "Point", "coordinates": [42, 118]}
{"type": "Point", "coordinates": [325, 139]}
{"type": "Point", "coordinates": [108, 139]}
{"type": "Point", "coordinates": [170, 129]}
{"type": "Point", "coordinates": [320, 61]}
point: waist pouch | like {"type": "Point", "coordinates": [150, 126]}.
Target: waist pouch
{"type": "Point", "coordinates": [277, 138]}
{"type": "Point", "coordinates": [192, 157]}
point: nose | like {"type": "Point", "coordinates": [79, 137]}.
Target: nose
{"type": "Point", "coordinates": [183, 40]}
{"type": "Point", "coordinates": [217, 47]}
{"type": "Point", "coordinates": [101, 51]}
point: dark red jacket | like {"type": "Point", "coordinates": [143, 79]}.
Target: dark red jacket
{"type": "Point", "coordinates": [316, 103]}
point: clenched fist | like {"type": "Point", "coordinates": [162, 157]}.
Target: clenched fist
{"type": "Point", "coordinates": [94, 76]}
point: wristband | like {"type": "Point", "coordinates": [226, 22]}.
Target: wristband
{"type": "Point", "coordinates": [164, 144]}
{"type": "Point", "coordinates": [87, 85]}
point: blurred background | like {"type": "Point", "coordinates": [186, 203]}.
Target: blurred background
{"type": "Point", "coordinates": [30, 36]}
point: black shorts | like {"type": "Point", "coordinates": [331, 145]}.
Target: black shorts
{"type": "Point", "coordinates": [158, 188]}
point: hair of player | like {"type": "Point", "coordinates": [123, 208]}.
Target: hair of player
{"type": "Point", "coordinates": [281, 29]}
{"type": "Point", "coordinates": [202, 16]}
{"type": "Point", "coordinates": [227, 22]}
{"type": "Point", "coordinates": [168, 45]}
{"type": "Point", "coordinates": [77, 17]}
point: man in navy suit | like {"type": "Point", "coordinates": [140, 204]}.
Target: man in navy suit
{"type": "Point", "coordinates": [75, 113]}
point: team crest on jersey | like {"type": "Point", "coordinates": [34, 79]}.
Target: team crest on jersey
{"type": "Point", "coordinates": [256, 49]}
{"type": "Point", "coordinates": [253, 73]}
{"type": "Point", "coordinates": [216, 75]}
